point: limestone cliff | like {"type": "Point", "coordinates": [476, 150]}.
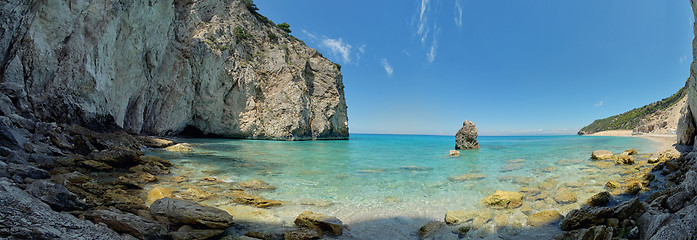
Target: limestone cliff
{"type": "Point", "coordinates": [686, 127]}
{"type": "Point", "coordinates": [158, 67]}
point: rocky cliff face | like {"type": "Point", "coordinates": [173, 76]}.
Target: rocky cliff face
{"type": "Point", "coordinates": [686, 126]}
{"type": "Point", "coordinates": [158, 67]}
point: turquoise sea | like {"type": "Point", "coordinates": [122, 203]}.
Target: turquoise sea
{"type": "Point", "coordinates": [397, 180]}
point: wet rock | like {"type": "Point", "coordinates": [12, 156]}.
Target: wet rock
{"type": "Point", "coordinates": [153, 159]}
{"type": "Point", "coordinates": [429, 228]}
{"type": "Point", "coordinates": [459, 216]}
{"type": "Point", "coordinates": [501, 220]}
{"type": "Point", "coordinates": [612, 185]}
{"type": "Point", "coordinates": [180, 147]}
{"type": "Point", "coordinates": [256, 184]}
{"type": "Point", "coordinates": [467, 177]}
{"type": "Point", "coordinates": [590, 216]}
{"type": "Point", "coordinates": [526, 209]}
{"type": "Point", "coordinates": [186, 232]}
{"type": "Point", "coordinates": [118, 157]}
{"type": "Point", "coordinates": [599, 200]}
{"type": "Point", "coordinates": [503, 199]}
{"type": "Point", "coordinates": [129, 182]}
{"type": "Point", "coordinates": [544, 218]}
{"type": "Point", "coordinates": [454, 153]}
{"type": "Point", "coordinates": [547, 184]}
{"type": "Point", "coordinates": [154, 168]}
{"type": "Point", "coordinates": [25, 217]}
{"type": "Point", "coordinates": [601, 155]}
{"type": "Point", "coordinates": [158, 193]}
{"type": "Point", "coordinates": [594, 233]}
{"type": "Point", "coordinates": [319, 222]}
{"type": "Point", "coordinates": [565, 196]}
{"type": "Point", "coordinates": [156, 142]}
{"type": "Point", "coordinates": [253, 199]}
{"type": "Point", "coordinates": [633, 188]}
{"type": "Point", "coordinates": [624, 159]}
{"type": "Point", "coordinates": [55, 195]}
{"type": "Point", "coordinates": [182, 212]}
{"type": "Point", "coordinates": [302, 234]}
{"type": "Point", "coordinates": [178, 179]}
{"type": "Point", "coordinates": [195, 194]}
{"type": "Point", "coordinates": [466, 137]}
{"type": "Point", "coordinates": [120, 197]}
{"type": "Point", "coordinates": [523, 180]}
{"type": "Point", "coordinates": [92, 164]}
{"type": "Point", "coordinates": [128, 223]}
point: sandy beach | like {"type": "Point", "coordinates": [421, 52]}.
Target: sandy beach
{"type": "Point", "coordinates": [663, 141]}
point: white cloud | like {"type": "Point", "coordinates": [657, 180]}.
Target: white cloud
{"type": "Point", "coordinates": [427, 29]}
{"type": "Point", "coordinates": [339, 48]}
{"type": "Point", "coordinates": [458, 13]}
{"type": "Point", "coordinates": [599, 104]}
{"type": "Point", "coordinates": [310, 35]}
{"type": "Point", "coordinates": [406, 53]}
{"type": "Point", "coordinates": [388, 68]}
{"type": "Point", "coordinates": [683, 59]}
{"type": "Point", "coordinates": [361, 49]}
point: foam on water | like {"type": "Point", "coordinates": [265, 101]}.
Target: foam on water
{"type": "Point", "coordinates": [399, 181]}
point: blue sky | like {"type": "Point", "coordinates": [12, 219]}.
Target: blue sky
{"type": "Point", "coordinates": [513, 67]}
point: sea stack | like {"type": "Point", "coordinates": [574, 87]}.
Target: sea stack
{"type": "Point", "coordinates": [466, 138]}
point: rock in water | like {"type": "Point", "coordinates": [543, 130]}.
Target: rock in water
{"type": "Point", "coordinates": [503, 199]}
{"type": "Point", "coordinates": [466, 137]}
{"type": "Point", "coordinates": [320, 222]}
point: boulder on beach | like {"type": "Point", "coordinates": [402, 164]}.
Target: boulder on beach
{"type": "Point", "coordinates": [466, 137]}
{"type": "Point", "coordinates": [181, 212]}
{"type": "Point", "coordinates": [502, 199]}
{"type": "Point", "coordinates": [599, 200]}
{"type": "Point", "coordinates": [158, 193]}
{"type": "Point", "coordinates": [319, 222]}
{"type": "Point", "coordinates": [601, 155]}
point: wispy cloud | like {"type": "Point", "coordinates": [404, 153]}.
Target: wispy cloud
{"type": "Point", "coordinates": [339, 48]}
{"type": "Point", "coordinates": [427, 29]}
{"type": "Point", "coordinates": [559, 131]}
{"type": "Point", "coordinates": [683, 59]}
{"type": "Point", "coordinates": [310, 35]}
{"type": "Point", "coordinates": [599, 104]}
{"type": "Point", "coordinates": [458, 13]}
{"type": "Point", "coordinates": [387, 66]}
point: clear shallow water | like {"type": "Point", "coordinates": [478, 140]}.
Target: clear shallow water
{"type": "Point", "coordinates": [372, 177]}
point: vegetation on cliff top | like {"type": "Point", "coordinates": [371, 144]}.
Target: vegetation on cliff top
{"type": "Point", "coordinates": [631, 119]}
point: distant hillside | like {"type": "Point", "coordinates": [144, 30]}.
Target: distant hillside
{"type": "Point", "coordinates": [644, 119]}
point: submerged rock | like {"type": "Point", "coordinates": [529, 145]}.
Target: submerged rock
{"type": "Point", "coordinates": [181, 212]}
{"type": "Point", "coordinates": [256, 184]}
{"type": "Point", "coordinates": [543, 218]}
{"type": "Point", "coordinates": [565, 196]}
{"type": "Point", "coordinates": [466, 137]}
{"type": "Point", "coordinates": [320, 222]}
{"type": "Point", "coordinates": [454, 153]}
{"type": "Point", "coordinates": [503, 199]}
{"type": "Point", "coordinates": [252, 199]}
{"type": "Point", "coordinates": [467, 177]}
{"type": "Point", "coordinates": [301, 234]}
{"type": "Point", "coordinates": [180, 147]}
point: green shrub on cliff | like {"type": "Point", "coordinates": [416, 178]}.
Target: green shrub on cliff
{"type": "Point", "coordinates": [631, 119]}
{"type": "Point", "coordinates": [284, 26]}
